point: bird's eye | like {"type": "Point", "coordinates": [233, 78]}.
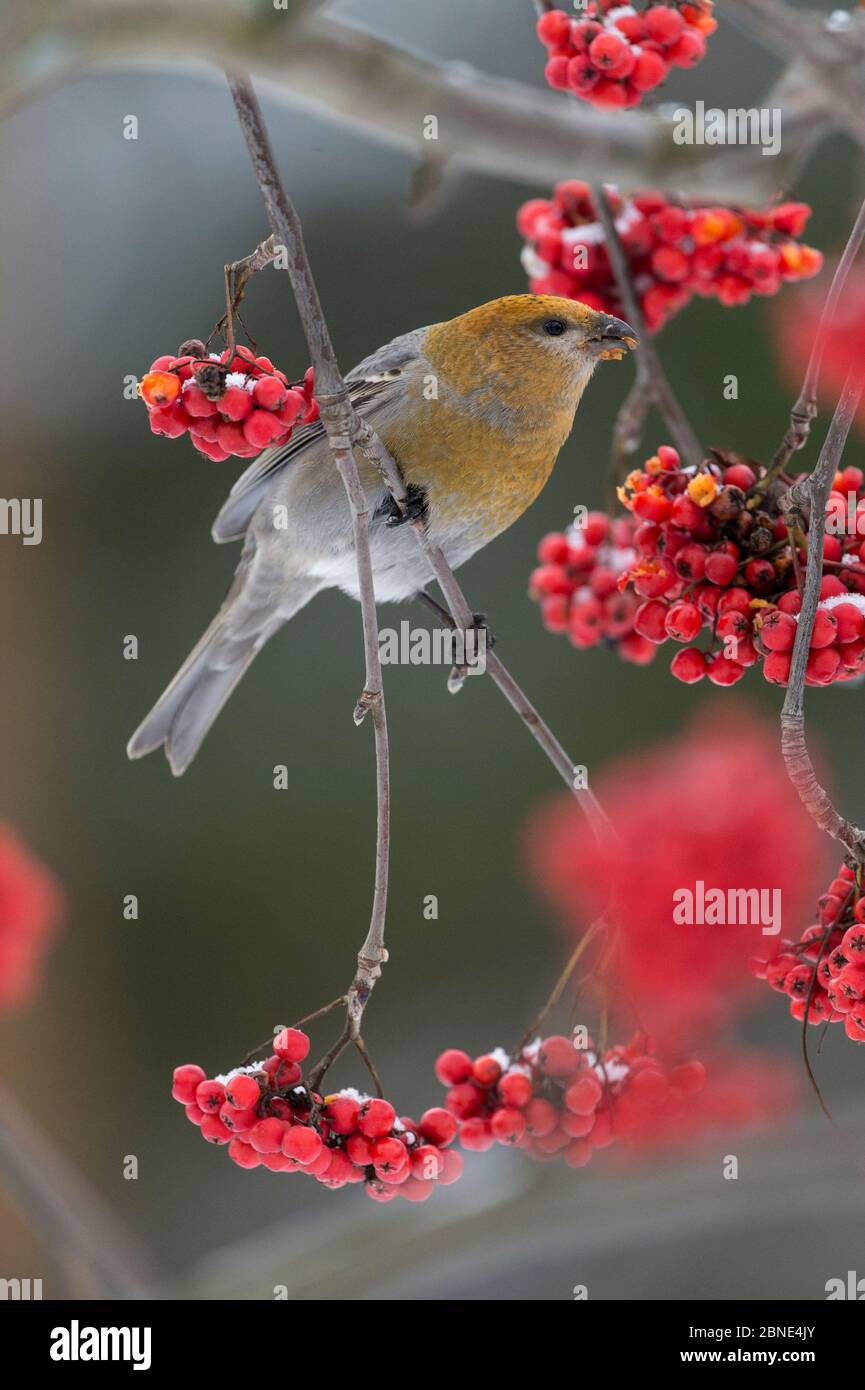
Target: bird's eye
{"type": "Point", "coordinates": [555, 327]}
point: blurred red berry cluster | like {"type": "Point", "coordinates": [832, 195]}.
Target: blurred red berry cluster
{"type": "Point", "coordinates": [228, 407]}
{"type": "Point", "coordinates": [577, 586]}
{"type": "Point", "coordinates": [613, 54]}
{"type": "Point", "coordinates": [30, 910]}
{"type": "Point", "coordinates": [713, 554]}
{"type": "Point", "coordinates": [823, 973]}
{"type": "Point", "coordinates": [268, 1117]}
{"type": "Point", "coordinates": [556, 1100]}
{"type": "Point", "coordinates": [713, 805]}
{"type": "Point", "coordinates": [673, 251]}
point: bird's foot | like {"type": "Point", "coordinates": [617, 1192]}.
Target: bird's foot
{"type": "Point", "coordinates": [478, 640]}
{"type": "Point", "coordinates": [414, 509]}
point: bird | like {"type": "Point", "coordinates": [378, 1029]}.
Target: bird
{"type": "Point", "coordinates": [474, 411]}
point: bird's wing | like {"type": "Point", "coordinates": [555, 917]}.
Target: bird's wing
{"type": "Point", "coordinates": [374, 384]}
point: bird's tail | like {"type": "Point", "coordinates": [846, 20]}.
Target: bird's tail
{"type": "Point", "coordinates": [185, 711]}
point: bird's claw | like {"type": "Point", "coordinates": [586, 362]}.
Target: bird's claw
{"type": "Point", "coordinates": [459, 674]}
{"type": "Point", "coordinates": [414, 508]}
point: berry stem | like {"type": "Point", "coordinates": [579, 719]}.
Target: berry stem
{"type": "Point", "coordinates": [651, 385]}
{"type": "Point", "coordinates": [561, 983]}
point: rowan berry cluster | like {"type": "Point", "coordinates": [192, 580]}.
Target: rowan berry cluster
{"type": "Point", "coordinates": [227, 407]}
{"type": "Point", "coordinates": [714, 554]}
{"type": "Point", "coordinates": [557, 1100]}
{"type": "Point", "coordinates": [823, 973]}
{"type": "Point", "coordinates": [268, 1117]}
{"type": "Point", "coordinates": [673, 251]}
{"type": "Point", "coordinates": [613, 54]}
{"type": "Point", "coordinates": [577, 586]}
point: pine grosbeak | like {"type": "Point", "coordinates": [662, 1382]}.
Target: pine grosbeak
{"type": "Point", "coordinates": [474, 411]}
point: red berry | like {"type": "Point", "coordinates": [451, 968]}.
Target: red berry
{"type": "Point", "coordinates": [583, 1095]}
{"type": "Point", "coordinates": [486, 1070]}
{"type": "Point", "coordinates": [438, 1126]}
{"type": "Point", "coordinates": [683, 621]}
{"type": "Point", "coordinates": [508, 1124]}
{"type": "Point", "coordinates": [185, 1082]}
{"type": "Point", "coordinates": [689, 665]}
{"type": "Point", "coordinates": [242, 1091]}
{"type": "Point", "coordinates": [291, 1044]}
{"type": "Point", "coordinates": [476, 1134]}
{"type": "Point", "coordinates": [376, 1118]}
{"type": "Point", "coordinates": [261, 428]}
{"type": "Point", "coordinates": [269, 393]}
{"type": "Point", "coordinates": [557, 1057]}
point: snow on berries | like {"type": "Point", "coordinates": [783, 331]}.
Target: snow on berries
{"type": "Point", "coordinates": [613, 54]}
{"type": "Point", "coordinates": [823, 973]}
{"type": "Point", "coordinates": [674, 251]}
{"type": "Point", "coordinates": [228, 403]}
{"type": "Point", "coordinates": [553, 1099]}
{"type": "Point", "coordinates": [577, 586]}
{"type": "Point", "coordinates": [710, 560]}
{"type": "Point", "coordinates": [267, 1117]}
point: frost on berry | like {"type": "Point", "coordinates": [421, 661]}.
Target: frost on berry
{"type": "Point", "coordinates": [267, 1117]}
{"type": "Point", "coordinates": [611, 54]}
{"type": "Point", "coordinates": [235, 406]}
{"type": "Point", "coordinates": [704, 563]}
{"type": "Point", "coordinates": [674, 252]}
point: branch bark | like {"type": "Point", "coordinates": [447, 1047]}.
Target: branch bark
{"type": "Point", "coordinates": [813, 492]}
{"type": "Point", "coordinates": [651, 385]}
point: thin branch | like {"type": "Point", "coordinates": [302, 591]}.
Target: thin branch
{"type": "Point", "coordinates": [70, 1215]}
{"type": "Point", "coordinates": [805, 408]}
{"type": "Point", "coordinates": [337, 418]}
{"type": "Point", "coordinates": [509, 130]}
{"type": "Point", "coordinates": [463, 618]}
{"type": "Point", "coordinates": [813, 492]}
{"type": "Point", "coordinates": [651, 384]}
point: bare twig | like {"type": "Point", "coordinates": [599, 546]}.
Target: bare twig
{"type": "Point", "coordinates": [813, 492]}
{"type": "Point", "coordinates": [651, 385]}
{"type": "Point", "coordinates": [805, 408]}
{"type": "Point", "coordinates": [463, 618]}
{"type": "Point", "coordinates": [337, 418]}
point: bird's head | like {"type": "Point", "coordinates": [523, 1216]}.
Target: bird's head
{"type": "Point", "coordinates": [525, 348]}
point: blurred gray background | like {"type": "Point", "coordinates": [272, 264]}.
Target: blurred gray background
{"type": "Point", "coordinates": [252, 901]}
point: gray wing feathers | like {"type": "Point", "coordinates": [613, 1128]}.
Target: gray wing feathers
{"type": "Point", "coordinates": [373, 384]}
{"type": "Point", "coordinates": [187, 708]}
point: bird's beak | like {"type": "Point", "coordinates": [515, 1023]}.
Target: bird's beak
{"type": "Point", "coordinates": [613, 338]}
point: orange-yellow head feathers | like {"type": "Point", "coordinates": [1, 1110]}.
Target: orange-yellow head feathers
{"type": "Point", "coordinates": [527, 349]}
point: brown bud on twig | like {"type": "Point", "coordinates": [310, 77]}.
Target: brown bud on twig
{"type": "Point", "coordinates": [729, 503]}
{"type": "Point", "coordinates": [211, 378]}
{"type": "Point", "coordinates": [193, 347]}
